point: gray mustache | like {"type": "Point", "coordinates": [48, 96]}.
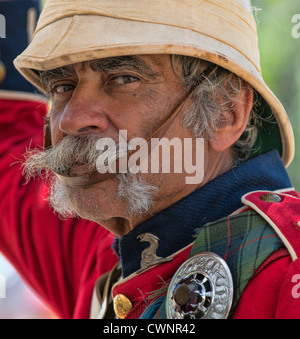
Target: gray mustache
{"type": "Point", "coordinates": [69, 152]}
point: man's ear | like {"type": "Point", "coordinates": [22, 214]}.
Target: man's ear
{"type": "Point", "coordinates": [234, 120]}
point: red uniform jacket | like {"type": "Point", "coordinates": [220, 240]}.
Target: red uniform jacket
{"type": "Point", "coordinates": [62, 259]}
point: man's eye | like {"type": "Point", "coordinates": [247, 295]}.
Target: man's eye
{"type": "Point", "coordinates": [124, 79]}
{"type": "Point", "coordinates": [62, 88]}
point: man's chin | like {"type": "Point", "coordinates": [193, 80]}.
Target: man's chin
{"type": "Point", "coordinates": [127, 196]}
{"type": "Point", "coordinates": [79, 170]}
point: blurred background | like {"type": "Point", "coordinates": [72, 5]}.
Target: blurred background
{"type": "Point", "coordinates": [280, 62]}
{"type": "Point", "coordinates": [280, 58]}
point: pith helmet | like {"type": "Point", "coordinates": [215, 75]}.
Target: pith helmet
{"type": "Point", "coordinates": [218, 31]}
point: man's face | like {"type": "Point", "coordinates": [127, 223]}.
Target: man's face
{"type": "Point", "coordinates": [102, 97]}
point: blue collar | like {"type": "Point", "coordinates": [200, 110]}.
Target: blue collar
{"type": "Point", "coordinates": [175, 225]}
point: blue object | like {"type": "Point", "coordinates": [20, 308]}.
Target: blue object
{"type": "Point", "coordinates": [19, 16]}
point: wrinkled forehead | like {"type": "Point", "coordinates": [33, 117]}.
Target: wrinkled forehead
{"type": "Point", "coordinates": [147, 66]}
{"type": "Point", "coordinates": [107, 64]}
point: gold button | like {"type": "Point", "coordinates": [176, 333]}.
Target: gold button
{"type": "Point", "coordinates": [122, 306]}
{"type": "Point", "coordinates": [270, 197]}
{"type": "Point", "coordinates": [2, 71]}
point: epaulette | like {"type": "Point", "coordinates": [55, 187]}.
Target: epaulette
{"type": "Point", "coordinates": [282, 212]}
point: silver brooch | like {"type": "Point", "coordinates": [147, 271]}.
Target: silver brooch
{"type": "Point", "coordinates": [202, 288]}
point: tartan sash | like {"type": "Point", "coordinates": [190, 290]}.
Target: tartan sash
{"type": "Point", "coordinates": [244, 241]}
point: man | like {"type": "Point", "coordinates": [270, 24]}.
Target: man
{"type": "Point", "coordinates": [200, 241]}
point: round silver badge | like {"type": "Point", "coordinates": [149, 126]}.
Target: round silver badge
{"type": "Point", "coordinates": [202, 288]}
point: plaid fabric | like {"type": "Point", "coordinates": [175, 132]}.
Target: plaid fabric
{"type": "Point", "coordinates": [244, 240]}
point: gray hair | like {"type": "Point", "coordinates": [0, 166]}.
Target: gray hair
{"type": "Point", "coordinates": [216, 92]}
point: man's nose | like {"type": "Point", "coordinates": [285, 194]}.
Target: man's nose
{"type": "Point", "coordinates": [85, 113]}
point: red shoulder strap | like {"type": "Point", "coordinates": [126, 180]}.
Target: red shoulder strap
{"type": "Point", "coordinates": [281, 209]}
